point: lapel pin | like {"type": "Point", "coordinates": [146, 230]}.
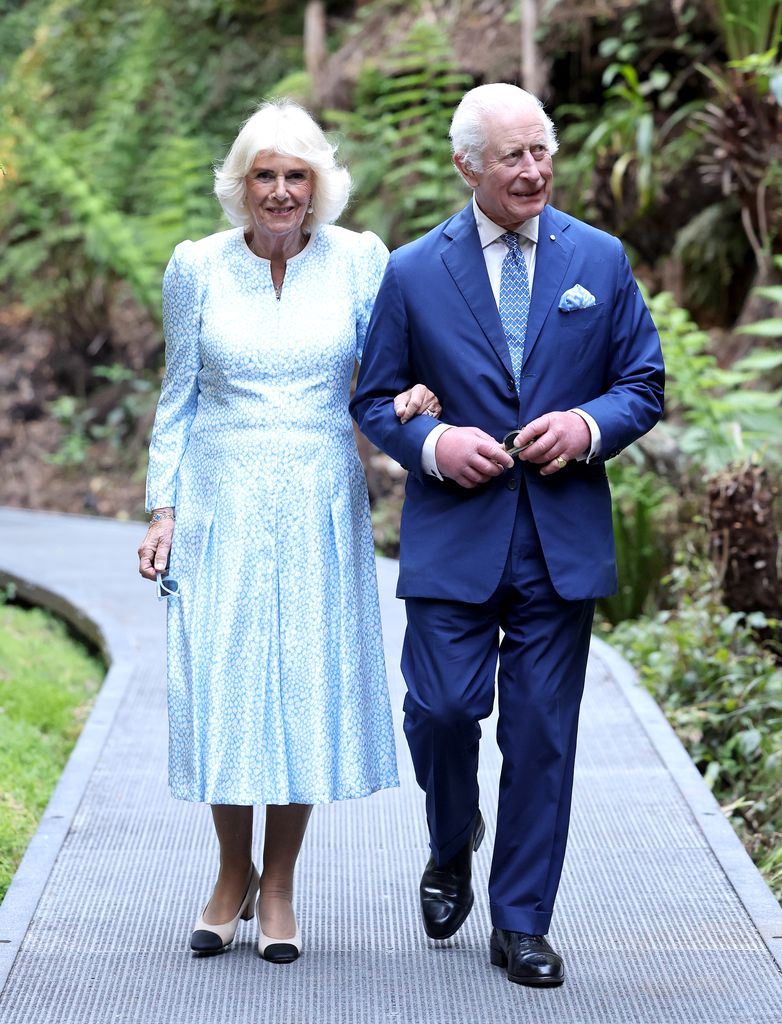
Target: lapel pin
{"type": "Point", "coordinates": [553, 238]}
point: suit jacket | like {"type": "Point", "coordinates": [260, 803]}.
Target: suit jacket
{"type": "Point", "coordinates": [435, 320]}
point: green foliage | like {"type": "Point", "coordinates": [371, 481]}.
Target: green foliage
{"type": "Point", "coordinates": [47, 685]}
{"type": "Point", "coordinates": [641, 509]}
{"type": "Point", "coordinates": [742, 125]}
{"type": "Point", "coordinates": [722, 692]}
{"type": "Point", "coordinates": [710, 248]}
{"type": "Point", "coordinates": [717, 416]}
{"type": "Point", "coordinates": [772, 327]}
{"type": "Point", "coordinates": [71, 219]}
{"type": "Point", "coordinates": [132, 399]}
{"type": "Point", "coordinates": [111, 118]}
{"type": "Point", "coordinates": [629, 41]}
{"type": "Point", "coordinates": [397, 138]}
{"type": "Point", "coordinates": [750, 27]}
{"type": "Point", "coordinates": [74, 418]}
{"type": "Point", "coordinates": [626, 140]}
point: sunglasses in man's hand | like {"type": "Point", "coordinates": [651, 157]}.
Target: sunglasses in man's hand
{"type": "Point", "coordinates": [510, 447]}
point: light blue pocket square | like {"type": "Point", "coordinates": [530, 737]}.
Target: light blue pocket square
{"type": "Point", "coordinates": [576, 297]}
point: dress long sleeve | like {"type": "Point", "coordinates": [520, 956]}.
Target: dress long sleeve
{"type": "Point", "coordinates": [179, 392]}
{"type": "Point", "coordinates": [371, 260]}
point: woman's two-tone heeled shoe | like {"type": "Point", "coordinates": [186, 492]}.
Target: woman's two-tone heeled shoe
{"type": "Point", "coordinates": [211, 938]}
{"type": "Point", "coordinates": [277, 951]}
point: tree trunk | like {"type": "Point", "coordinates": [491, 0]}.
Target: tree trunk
{"type": "Point", "coordinates": [533, 77]}
{"type": "Point", "coordinates": [744, 540]}
{"type": "Point", "coordinates": [315, 49]}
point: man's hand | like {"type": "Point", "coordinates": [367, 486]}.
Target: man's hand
{"type": "Point", "coordinates": [557, 438]}
{"type": "Point", "coordinates": [469, 456]}
{"type": "Point", "coordinates": [415, 401]}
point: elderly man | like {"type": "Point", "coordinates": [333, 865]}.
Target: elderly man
{"type": "Point", "coordinates": [513, 313]}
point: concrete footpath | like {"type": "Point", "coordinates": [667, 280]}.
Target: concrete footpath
{"type": "Point", "coordinates": [661, 916]}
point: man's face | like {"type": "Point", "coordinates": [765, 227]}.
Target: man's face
{"type": "Point", "coordinates": [515, 183]}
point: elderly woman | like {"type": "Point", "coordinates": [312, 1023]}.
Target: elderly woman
{"type": "Point", "coordinates": [277, 688]}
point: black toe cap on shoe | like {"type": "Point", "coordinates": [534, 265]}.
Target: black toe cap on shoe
{"type": "Point", "coordinates": [204, 941]}
{"type": "Point", "coordinates": [281, 953]}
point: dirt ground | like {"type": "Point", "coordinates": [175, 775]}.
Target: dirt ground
{"type": "Point", "coordinates": [103, 479]}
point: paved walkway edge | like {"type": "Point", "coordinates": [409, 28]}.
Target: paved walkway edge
{"type": "Point", "coordinates": [750, 886]}
{"type": "Point", "coordinates": [29, 881]}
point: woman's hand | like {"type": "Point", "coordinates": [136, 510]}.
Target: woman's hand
{"type": "Point", "coordinates": [155, 548]}
{"type": "Point", "coordinates": [416, 401]}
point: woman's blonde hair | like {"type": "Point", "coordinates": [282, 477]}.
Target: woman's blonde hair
{"type": "Point", "coordinates": [285, 128]}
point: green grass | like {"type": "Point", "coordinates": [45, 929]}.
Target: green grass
{"type": "Point", "coordinates": [48, 682]}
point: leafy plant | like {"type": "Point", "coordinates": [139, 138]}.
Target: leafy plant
{"type": "Point", "coordinates": [743, 123]}
{"type": "Point", "coordinates": [714, 254]}
{"type": "Point", "coordinates": [771, 327]}
{"type": "Point", "coordinates": [630, 144]}
{"type": "Point", "coordinates": [641, 508]}
{"type": "Point", "coordinates": [716, 414]}
{"type": "Point", "coordinates": [397, 137]}
{"type": "Point", "coordinates": [74, 419]}
{"type": "Point", "coordinates": [130, 401]}
{"type": "Point", "coordinates": [722, 691]}
{"type": "Point", "coordinates": [110, 119]}
{"type": "Point", "coordinates": [750, 26]}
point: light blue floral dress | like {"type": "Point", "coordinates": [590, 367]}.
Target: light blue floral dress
{"type": "Point", "coordinates": [276, 680]}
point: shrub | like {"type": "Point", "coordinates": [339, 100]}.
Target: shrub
{"type": "Point", "coordinates": [721, 688]}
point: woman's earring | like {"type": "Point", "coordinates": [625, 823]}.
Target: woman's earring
{"type": "Point", "coordinates": [310, 208]}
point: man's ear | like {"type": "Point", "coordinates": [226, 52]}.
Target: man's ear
{"type": "Point", "coordinates": [463, 168]}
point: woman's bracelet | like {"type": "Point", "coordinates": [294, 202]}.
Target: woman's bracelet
{"type": "Point", "coordinates": [156, 517]}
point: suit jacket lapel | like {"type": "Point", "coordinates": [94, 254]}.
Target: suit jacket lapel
{"type": "Point", "coordinates": [463, 257]}
{"type": "Point", "coordinates": [553, 256]}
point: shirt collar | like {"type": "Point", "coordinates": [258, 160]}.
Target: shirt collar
{"type": "Point", "coordinates": [489, 232]}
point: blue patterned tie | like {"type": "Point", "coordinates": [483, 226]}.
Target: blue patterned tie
{"type": "Point", "coordinates": [514, 302]}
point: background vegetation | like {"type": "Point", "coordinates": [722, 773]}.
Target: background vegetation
{"type": "Point", "coordinates": [670, 118]}
{"type": "Point", "coordinates": [48, 682]}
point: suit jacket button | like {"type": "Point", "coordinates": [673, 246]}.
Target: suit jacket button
{"type": "Point", "coordinates": [510, 385]}
{"type": "Point", "coordinates": [512, 484]}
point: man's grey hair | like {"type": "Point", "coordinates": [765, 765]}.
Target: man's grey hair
{"type": "Point", "coordinates": [468, 127]}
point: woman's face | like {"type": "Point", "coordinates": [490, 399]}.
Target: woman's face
{"type": "Point", "coordinates": [278, 193]}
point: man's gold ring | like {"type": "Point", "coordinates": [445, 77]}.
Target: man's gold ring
{"type": "Point", "coordinates": [561, 462]}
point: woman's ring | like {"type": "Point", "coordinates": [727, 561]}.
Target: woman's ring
{"type": "Point", "coordinates": [561, 462]}
{"type": "Point", "coordinates": [428, 412]}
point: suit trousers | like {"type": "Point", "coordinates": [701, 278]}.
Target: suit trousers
{"type": "Point", "coordinates": [449, 662]}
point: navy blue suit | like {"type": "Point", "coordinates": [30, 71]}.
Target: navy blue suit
{"type": "Point", "coordinates": [523, 553]}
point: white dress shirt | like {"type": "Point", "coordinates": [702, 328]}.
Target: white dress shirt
{"type": "Point", "coordinates": [494, 252]}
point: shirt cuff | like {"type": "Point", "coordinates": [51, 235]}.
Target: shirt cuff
{"type": "Point", "coordinates": [596, 444]}
{"type": "Point", "coordinates": [428, 460]}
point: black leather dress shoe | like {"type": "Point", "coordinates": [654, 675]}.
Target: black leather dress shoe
{"type": "Point", "coordinates": [446, 891]}
{"type": "Point", "coordinates": [530, 960]}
